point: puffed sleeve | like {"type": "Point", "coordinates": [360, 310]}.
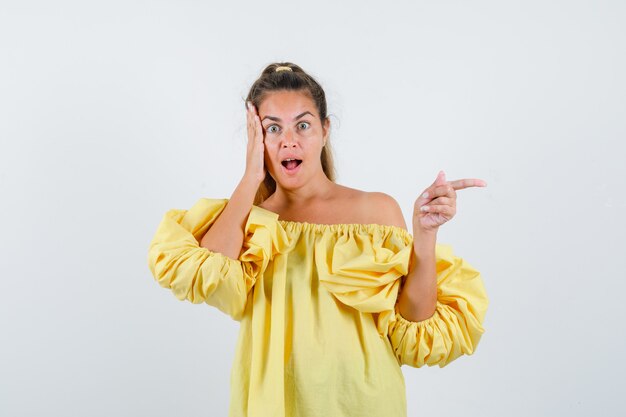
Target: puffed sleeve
{"type": "Point", "coordinates": [194, 273]}
{"type": "Point", "coordinates": [456, 326]}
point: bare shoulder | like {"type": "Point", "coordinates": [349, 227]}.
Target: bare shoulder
{"type": "Point", "coordinates": [376, 207]}
{"type": "Point", "coordinates": [386, 209]}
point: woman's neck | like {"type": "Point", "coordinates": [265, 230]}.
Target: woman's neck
{"type": "Point", "coordinates": [319, 189]}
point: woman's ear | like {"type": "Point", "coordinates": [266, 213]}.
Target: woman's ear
{"type": "Point", "coordinates": [326, 129]}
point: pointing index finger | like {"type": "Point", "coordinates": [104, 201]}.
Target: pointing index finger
{"type": "Point", "coordinates": [467, 182]}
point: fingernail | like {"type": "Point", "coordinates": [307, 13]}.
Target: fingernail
{"type": "Point", "coordinates": [424, 208]}
{"type": "Point", "coordinates": [425, 195]}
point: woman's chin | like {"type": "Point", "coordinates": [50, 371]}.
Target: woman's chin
{"type": "Point", "coordinates": [289, 183]}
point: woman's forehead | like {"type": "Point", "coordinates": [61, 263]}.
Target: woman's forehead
{"type": "Point", "coordinates": [286, 104]}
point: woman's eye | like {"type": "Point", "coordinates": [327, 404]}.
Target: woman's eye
{"type": "Point", "coordinates": [271, 129]}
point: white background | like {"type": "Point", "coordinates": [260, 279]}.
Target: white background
{"type": "Point", "coordinates": [113, 112]}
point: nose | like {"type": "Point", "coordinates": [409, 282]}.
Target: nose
{"type": "Point", "coordinates": [288, 139]}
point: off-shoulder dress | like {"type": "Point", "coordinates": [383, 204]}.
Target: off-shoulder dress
{"type": "Point", "coordinates": [320, 330]}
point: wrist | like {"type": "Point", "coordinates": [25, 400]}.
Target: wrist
{"type": "Point", "coordinates": [245, 190]}
{"type": "Point", "coordinates": [250, 181]}
{"type": "Point", "coordinates": [424, 241]}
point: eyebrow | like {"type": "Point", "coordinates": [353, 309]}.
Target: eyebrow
{"type": "Point", "coordinates": [277, 119]}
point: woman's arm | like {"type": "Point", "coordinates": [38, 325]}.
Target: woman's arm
{"type": "Point", "coordinates": [226, 235]}
{"type": "Point", "coordinates": [418, 299]}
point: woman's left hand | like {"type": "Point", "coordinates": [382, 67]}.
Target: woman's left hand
{"type": "Point", "coordinates": [439, 204]}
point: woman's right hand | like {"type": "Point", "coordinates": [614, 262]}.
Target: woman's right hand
{"type": "Point", "coordinates": [255, 159]}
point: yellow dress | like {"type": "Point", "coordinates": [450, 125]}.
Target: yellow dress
{"type": "Point", "coordinates": [320, 331]}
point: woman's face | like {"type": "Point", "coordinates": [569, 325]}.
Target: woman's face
{"type": "Point", "coordinates": [292, 130]}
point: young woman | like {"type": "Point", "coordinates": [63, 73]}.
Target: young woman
{"type": "Point", "coordinates": [332, 293]}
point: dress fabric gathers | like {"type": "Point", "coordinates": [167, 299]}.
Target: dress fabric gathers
{"type": "Point", "coordinates": [320, 329]}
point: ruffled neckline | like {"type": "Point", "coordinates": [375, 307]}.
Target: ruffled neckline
{"type": "Point", "coordinates": [292, 225]}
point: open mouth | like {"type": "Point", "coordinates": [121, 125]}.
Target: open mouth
{"type": "Point", "coordinates": [291, 164]}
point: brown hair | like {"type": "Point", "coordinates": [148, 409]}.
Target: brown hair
{"type": "Point", "coordinates": [294, 80]}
